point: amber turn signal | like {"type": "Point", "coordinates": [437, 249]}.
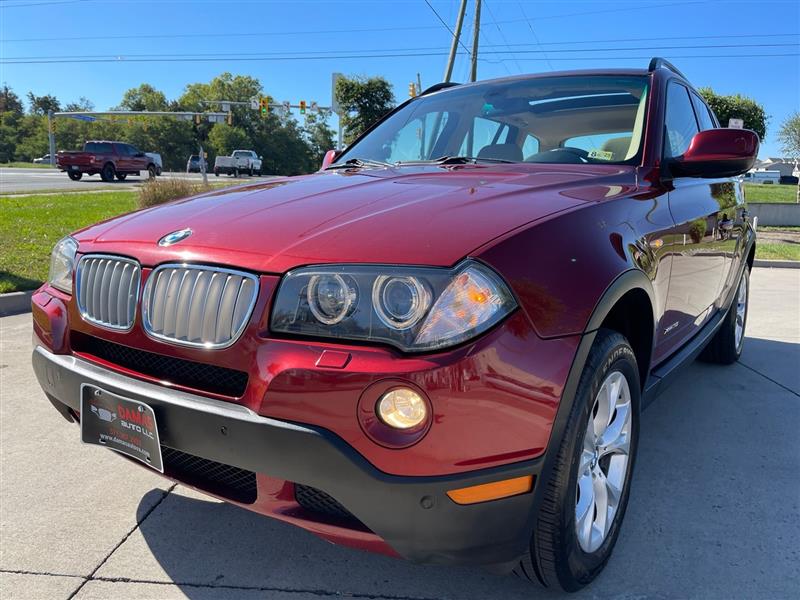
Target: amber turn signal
{"type": "Point", "coordinates": [492, 491]}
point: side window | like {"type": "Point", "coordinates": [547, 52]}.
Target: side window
{"type": "Point", "coordinates": [530, 146]}
{"type": "Point", "coordinates": [703, 113]}
{"type": "Point", "coordinates": [484, 133]}
{"type": "Point", "coordinates": [680, 124]}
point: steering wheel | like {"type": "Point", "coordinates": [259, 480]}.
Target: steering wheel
{"type": "Point", "coordinates": [581, 154]}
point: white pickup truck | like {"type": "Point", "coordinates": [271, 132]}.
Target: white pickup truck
{"type": "Point", "coordinates": [241, 161]}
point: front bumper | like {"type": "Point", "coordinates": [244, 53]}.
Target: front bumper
{"type": "Point", "coordinates": [413, 515]}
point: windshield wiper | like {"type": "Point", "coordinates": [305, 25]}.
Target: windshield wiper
{"type": "Point", "coordinates": [459, 160]}
{"type": "Point", "coordinates": [358, 163]}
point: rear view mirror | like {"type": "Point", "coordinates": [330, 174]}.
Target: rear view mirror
{"type": "Point", "coordinates": [717, 153]}
{"type": "Point", "coordinates": [330, 156]}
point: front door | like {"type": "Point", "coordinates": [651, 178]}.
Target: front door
{"type": "Point", "coordinates": [700, 262]}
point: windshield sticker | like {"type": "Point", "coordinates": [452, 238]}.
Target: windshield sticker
{"type": "Point", "coordinates": [601, 154]}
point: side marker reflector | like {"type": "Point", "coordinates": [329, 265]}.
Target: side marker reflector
{"type": "Point", "coordinates": [492, 491]}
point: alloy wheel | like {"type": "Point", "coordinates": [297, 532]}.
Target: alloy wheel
{"type": "Point", "coordinates": [604, 462]}
{"type": "Point", "coordinates": [741, 312]}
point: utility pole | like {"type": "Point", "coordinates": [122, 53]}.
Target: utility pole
{"type": "Point", "coordinates": [448, 72]}
{"type": "Point", "coordinates": [475, 33]}
{"type": "Point", "coordinates": [51, 137]}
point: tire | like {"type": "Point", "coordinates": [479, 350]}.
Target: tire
{"type": "Point", "coordinates": [107, 174]}
{"type": "Point", "coordinates": [216, 172]}
{"type": "Point", "coordinates": [558, 556]}
{"type": "Point", "coordinates": [121, 176]}
{"type": "Point", "coordinates": [151, 171]}
{"type": "Point", "coordinates": [250, 173]}
{"type": "Point", "coordinates": [236, 172]}
{"type": "Point", "coordinates": [75, 176]}
{"type": "Point", "coordinates": [726, 346]}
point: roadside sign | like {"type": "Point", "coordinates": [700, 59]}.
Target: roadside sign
{"type": "Point", "coordinates": [287, 106]}
{"type": "Point", "coordinates": [226, 107]}
{"type": "Point", "coordinates": [736, 123]}
{"type": "Point", "coordinates": [254, 103]}
{"type": "Point", "coordinates": [314, 106]}
{"type": "Point", "coordinates": [334, 102]}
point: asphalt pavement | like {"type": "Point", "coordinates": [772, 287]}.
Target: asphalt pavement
{"type": "Point", "coordinates": [714, 510]}
{"type": "Point", "coordinates": [38, 180]}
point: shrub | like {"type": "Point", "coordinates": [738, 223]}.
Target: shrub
{"type": "Point", "coordinates": [159, 191]}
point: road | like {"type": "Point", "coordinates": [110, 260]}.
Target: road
{"type": "Point", "coordinates": [51, 180]}
{"type": "Point", "coordinates": [714, 512]}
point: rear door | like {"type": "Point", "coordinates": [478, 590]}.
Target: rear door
{"type": "Point", "coordinates": [699, 210]}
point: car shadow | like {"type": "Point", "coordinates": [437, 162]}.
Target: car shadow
{"type": "Point", "coordinates": [715, 471]}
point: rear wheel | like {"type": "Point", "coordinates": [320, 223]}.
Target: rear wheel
{"type": "Point", "coordinates": [75, 175]}
{"type": "Point", "coordinates": [726, 346]}
{"type": "Point", "coordinates": [107, 174]}
{"type": "Point", "coordinates": [121, 176]}
{"type": "Point", "coordinates": [587, 492]}
{"type": "Point", "coordinates": [151, 171]}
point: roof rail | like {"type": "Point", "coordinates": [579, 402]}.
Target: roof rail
{"type": "Point", "coordinates": [439, 86]}
{"type": "Point", "coordinates": [657, 62]}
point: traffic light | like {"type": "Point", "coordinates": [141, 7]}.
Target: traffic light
{"type": "Point", "coordinates": [197, 119]}
{"type": "Point", "coordinates": [230, 118]}
{"type": "Point", "coordinates": [412, 90]}
{"type": "Point", "coordinates": [302, 107]}
{"type": "Point", "coordinates": [263, 105]}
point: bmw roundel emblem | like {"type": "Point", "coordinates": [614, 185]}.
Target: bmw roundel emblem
{"type": "Point", "coordinates": [175, 237]}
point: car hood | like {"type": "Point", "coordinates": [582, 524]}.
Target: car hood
{"type": "Point", "coordinates": [411, 215]}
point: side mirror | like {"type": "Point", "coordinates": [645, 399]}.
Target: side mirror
{"type": "Point", "coordinates": [717, 153]}
{"type": "Point", "coordinates": [260, 157]}
{"type": "Point", "coordinates": [330, 156]}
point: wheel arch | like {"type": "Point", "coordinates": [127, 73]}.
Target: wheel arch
{"type": "Point", "coordinates": [627, 306]}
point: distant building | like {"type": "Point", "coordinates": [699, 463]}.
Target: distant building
{"type": "Point", "coordinates": [786, 166]}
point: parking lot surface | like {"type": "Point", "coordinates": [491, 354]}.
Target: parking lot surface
{"type": "Point", "coordinates": [37, 180]}
{"type": "Point", "coordinates": [714, 510]}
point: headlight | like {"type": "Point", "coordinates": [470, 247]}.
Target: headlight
{"type": "Point", "coordinates": [412, 308]}
{"type": "Point", "coordinates": [62, 263]}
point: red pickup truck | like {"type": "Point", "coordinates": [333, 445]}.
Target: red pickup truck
{"type": "Point", "coordinates": [109, 159]}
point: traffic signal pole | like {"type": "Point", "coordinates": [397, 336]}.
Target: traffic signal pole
{"type": "Point", "coordinates": [51, 138]}
{"type": "Point", "coordinates": [448, 71]}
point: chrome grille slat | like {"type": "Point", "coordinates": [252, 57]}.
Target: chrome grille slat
{"type": "Point", "coordinates": [196, 305]}
{"type": "Point", "coordinates": [108, 290]}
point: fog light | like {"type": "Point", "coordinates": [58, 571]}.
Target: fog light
{"type": "Point", "coordinates": [402, 408]}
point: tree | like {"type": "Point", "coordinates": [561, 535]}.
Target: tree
{"type": "Point", "coordinates": [9, 101]}
{"type": "Point", "coordinates": [81, 104]}
{"type": "Point", "coordinates": [144, 97]}
{"type": "Point", "coordinates": [789, 139]}
{"type": "Point", "coordinates": [319, 135]}
{"type": "Point", "coordinates": [737, 107]}
{"type": "Point", "coordinates": [363, 101]}
{"type": "Point", "coordinates": [41, 105]}
{"type": "Point", "coordinates": [224, 139]}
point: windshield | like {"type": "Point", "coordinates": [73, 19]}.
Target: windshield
{"type": "Point", "coordinates": [568, 119]}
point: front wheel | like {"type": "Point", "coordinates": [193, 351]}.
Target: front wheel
{"type": "Point", "coordinates": [587, 492]}
{"type": "Point", "coordinates": [151, 172]}
{"type": "Point", "coordinates": [726, 346]}
{"type": "Point", "coordinates": [75, 175]}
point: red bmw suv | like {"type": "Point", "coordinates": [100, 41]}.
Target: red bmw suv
{"type": "Point", "coordinates": [438, 346]}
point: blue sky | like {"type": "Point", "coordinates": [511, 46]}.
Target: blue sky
{"type": "Point", "coordinates": [517, 36]}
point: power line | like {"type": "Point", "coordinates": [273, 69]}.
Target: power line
{"type": "Point", "coordinates": [371, 56]}
{"type": "Point", "coordinates": [379, 53]}
{"type": "Point", "coordinates": [324, 31]}
{"type": "Point", "coordinates": [452, 33]}
{"type": "Point", "coordinates": [535, 37]}
{"type": "Point", "coordinates": [500, 31]}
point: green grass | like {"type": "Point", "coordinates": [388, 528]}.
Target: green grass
{"type": "Point", "coordinates": [759, 192]}
{"type": "Point", "coordinates": [769, 251]}
{"type": "Point", "coordinates": [25, 165]}
{"type": "Point", "coordinates": [31, 225]}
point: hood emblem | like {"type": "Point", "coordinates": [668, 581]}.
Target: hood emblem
{"type": "Point", "coordinates": [175, 237]}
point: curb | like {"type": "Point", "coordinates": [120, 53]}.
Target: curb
{"type": "Point", "coordinates": [15, 303]}
{"type": "Point", "coordinates": [776, 264]}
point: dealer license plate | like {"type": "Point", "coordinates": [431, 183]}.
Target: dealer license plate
{"type": "Point", "coordinates": [125, 425]}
